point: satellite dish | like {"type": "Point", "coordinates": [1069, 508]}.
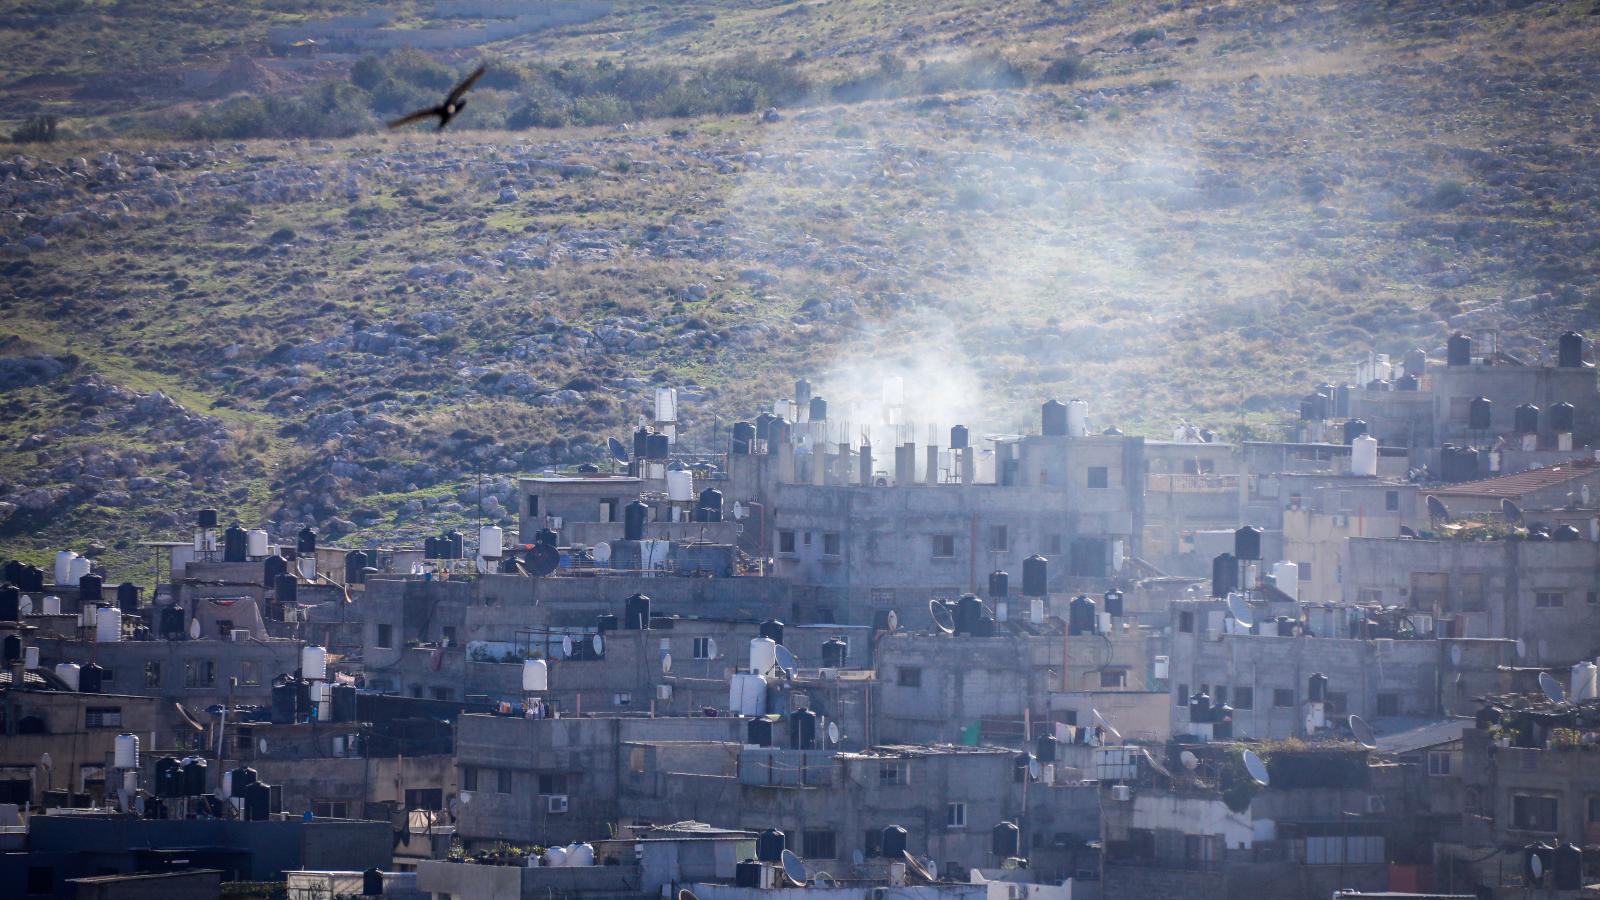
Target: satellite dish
{"type": "Point", "coordinates": [685, 893]}
{"type": "Point", "coordinates": [786, 660]}
{"type": "Point", "coordinates": [598, 642]}
{"type": "Point", "coordinates": [1110, 729]}
{"type": "Point", "coordinates": [1437, 510]}
{"type": "Point", "coordinates": [711, 648]}
{"type": "Point", "coordinates": [793, 868]}
{"type": "Point", "coordinates": [1455, 654]}
{"type": "Point", "coordinates": [1535, 865]}
{"type": "Point", "coordinates": [893, 620]}
{"type": "Point", "coordinates": [46, 763]}
{"type": "Point", "coordinates": [566, 646]}
{"type": "Point", "coordinates": [261, 745]}
{"type": "Point", "coordinates": [1407, 531]}
{"type": "Point", "coordinates": [1189, 760]}
{"type": "Point", "coordinates": [543, 559]}
{"type": "Point", "coordinates": [932, 868]}
{"type": "Point", "coordinates": [1035, 769]}
{"type": "Point", "coordinates": [833, 733]}
{"type": "Point", "coordinates": [1363, 733]}
{"type": "Point", "coordinates": [739, 511]}
{"type": "Point", "coordinates": [455, 807]}
{"type": "Point", "coordinates": [618, 451]}
{"type": "Point", "coordinates": [1522, 649]}
{"type": "Point", "coordinates": [194, 629]}
{"type": "Point", "coordinates": [601, 552]}
{"type": "Point", "coordinates": [1240, 608]}
{"type": "Point", "coordinates": [1256, 768]}
{"type": "Point", "coordinates": [1510, 510]}
{"type": "Point", "coordinates": [1158, 767]}
{"type": "Point", "coordinates": [1552, 688]}
{"type": "Point", "coordinates": [666, 662]}
{"type": "Point", "coordinates": [942, 619]}
{"type": "Point", "coordinates": [858, 857]}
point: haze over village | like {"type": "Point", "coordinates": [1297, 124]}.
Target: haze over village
{"type": "Point", "coordinates": [799, 449]}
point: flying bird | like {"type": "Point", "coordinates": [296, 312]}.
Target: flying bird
{"type": "Point", "coordinates": [447, 110]}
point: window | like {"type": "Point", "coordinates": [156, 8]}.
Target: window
{"type": "Point", "coordinates": [41, 879]}
{"type": "Point", "coordinates": [102, 717]}
{"type": "Point", "coordinates": [533, 504]}
{"type": "Point", "coordinates": [1220, 695]}
{"type": "Point", "coordinates": [1244, 698]}
{"type": "Point", "coordinates": [441, 693]}
{"type": "Point", "coordinates": [330, 809]}
{"type": "Point", "coordinates": [1438, 762]}
{"type": "Point", "coordinates": [1099, 477]}
{"type": "Point", "coordinates": [107, 676]}
{"type": "Point", "coordinates": [1549, 599]}
{"type": "Point", "coordinates": [999, 538]}
{"type": "Point", "coordinates": [909, 676]}
{"type": "Point", "coordinates": [702, 648]}
{"type": "Point", "coordinates": [622, 698]}
{"type": "Point", "coordinates": [152, 674]}
{"type": "Point", "coordinates": [447, 635]}
{"type": "Point", "coordinates": [608, 510]}
{"type": "Point", "coordinates": [1391, 501]}
{"type": "Point", "coordinates": [944, 546]}
{"type": "Point", "coordinates": [1113, 678]}
{"type": "Point", "coordinates": [199, 673]}
{"type": "Point", "coordinates": [1531, 813]}
{"type": "Point", "coordinates": [552, 782]}
{"type": "Point", "coordinates": [1282, 698]}
{"type": "Point", "coordinates": [1388, 704]}
{"type": "Point", "coordinates": [249, 672]}
{"type": "Point", "coordinates": [1186, 622]}
{"type": "Point", "coordinates": [785, 542]}
{"type": "Point", "coordinates": [385, 637]}
{"type": "Point", "coordinates": [830, 543]}
{"type": "Point", "coordinates": [805, 538]}
{"type": "Point", "coordinates": [1594, 596]}
{"type": "Point", "coordinates": [819, 844]}
{"type": "Point", "coordinates": [503, 781]}
{"type": "Point", "coordinates": [891, 774]}
{"type": "Point", "coordinates": [955, 815]}
{"type": "Point", "coordinates": [469, 778]}
{"type": "Point", "coordinates": [1181, 697]}
{"type": "Point", "coordinates": [424, 798]}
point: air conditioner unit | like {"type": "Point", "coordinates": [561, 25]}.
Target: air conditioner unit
{"type": "Point", "coordinates": [555, 522]}
{"type": "Point", "coordinates": [1374, 803]}
{"type": "Point", "coordinates": [1121, 792]}
{"type": "Point", "coordinates": [555, 803]}
{"type": "Point", "coordinates": [1161, 668]}
{"type": "Point", "coordinates": [240, 635]}
{"type": "Point", "coordinates": [663, 692]}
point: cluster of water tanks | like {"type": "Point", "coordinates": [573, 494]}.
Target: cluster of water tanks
{"type": "Point", "coordinates": [450, 545]}
{"type": "Point", "coordinates": [571, 855]}
{"type": "Point", "coordinates": [1070, 419]}
{"type": "Point", "coordinates": [85, 679]}
{"type": "Point", "coordinates": [747, 694]}
{"type": "Point", "coordinates": [1219, 716]}
{"type": "Point", "coordinates": [652, 445]}
{"type": "Point", "coordinates": [69, 567]}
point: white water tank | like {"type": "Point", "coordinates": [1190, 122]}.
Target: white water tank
{"type": "Point", "coordinates": [125, 751]}
{"type": "Point", "coordinates": [1364, 456]}
{"type": "Point", "coordinates": [680, 485]}
{"type": "Point", "coordinates": [313, 663]}
{"type": "Point", "coordinates": [68, 672]}
{"type": "Point", "coordinates": [50, 606]}
{"type": "Point", "coordinates": [308, 568]}
{"type": "Point", "coordinates": [666, 404]}
{"type": "Point", "coordinates": [255, 543]}
{"type": "Point", "coordinates": [30, 657]}
{"type": "Point", "coordinates": [1287, 574]}
{"type": "Point", "coordinates": [80, 567]}
{"type": "Point", "coordinates": [1585, 682]}
{"type": "Point", "coordinates": [226, 790]}
{"type": "Point", "coordinates": [490, 542]}
{"type": "Point", "coordinates": [535, 675]}
{"type": "Point", "coordinates": [1077, 418]}
{"type": "Point", "coordinates": [88, 615]}
{"type": "Point", "coordinates": [763, 655]}
{"type": "Point", "coordinates": [63, 572]}
{"type": "Point", "coordinates": [753, 696]}
{"type": "Point", "coordinates": [555, 857]}
{"type": "Point", "coordinates": [580, 854]}
{"type": "Point", "coordinates": [108, 627]}
{"type": "Point", "coordinates": [1036, 611]}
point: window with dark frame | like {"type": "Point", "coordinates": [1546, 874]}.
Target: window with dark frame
{"type": "Point", "coordinates": [1244, 698]}
{"type": "Point", "coordinates": [1099, 477]}
{"type": "Point", "coordinates": [785, 542]}
{"type": "Point", "coordinates": [385, 637]}
{"type": "Point", "coordinates": [944, 546]}
{"type": "Point", "coordinates": [1282, 698]}
{"type": "Point", "coordinates": [553, 783]}
{"type": "Point", "coordinates": [504, 781]}
{"type": "Point", "coordinates": [830, 543]}
{"type": "Point", "coordinates": [819, 843]}
{"type": "Point", "coordinates": [909, 676]}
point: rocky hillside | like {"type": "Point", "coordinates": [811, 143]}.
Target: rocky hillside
{"type": "Point", "coordinates": [1231, 203]}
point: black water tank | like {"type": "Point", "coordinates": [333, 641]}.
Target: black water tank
{"type": "Point", "coordinates": [194, 777]}
{"type": "Point", "coordinates": [169, 777]}
{"type": "Point", "coordinates": [1569, 350]}
{"type": "Point", "coordinates": [12, 572]}
{"type": "Point", "coordinates": [1005, 840]}
{"type": "Point", "coordinates": [344, 703]}
{"type": "Point", "coordinates": [606, 622]}
{"type": "Point", "coordinates": [235, 544]}
{"type": "Point", "coordinates": [1525, 419]}
{"type": "Point", "coordinates": [1317, 687]}
{"type": "Point", "coordinates": [286, 588]}
{"type": "Point", "coordinates": [817, 409]}
{"type": "Point", "coordinates": [1224, 574]}
{"type": "Point", "coordinates": [12, 647]}
{"type": "Point", "coordinates": [32, 579]}
{"type": "Point", "coordinates": [636, 612]}
{"type": "Point", "coordinates": [1308, 409]}
{"type": "Point", "coordinates": [758, 732]}
{"type": "Point", "coordinates": [1480, 412]}
{"type": "Point", "coordinates": [710, 505]}
{"type": "Point", "coordinates": [372, 883]}
{"type": "Point", "coordinates": [169, 623]}
{"type": "Point", "coordinates": [772, 630]}
{"type": "Point", "coordinates": [1080, 616]}
{"type": "Point", "coordinates": [1458, 350]}
{"type": "Point", "coordinates": [1247, 543]}
{"type": "Point", "coordinates": [257, 802]}
{"type": "Point", "coordinates": [1322, 405]}
{"type": "Point", "coordinates": [1113, 607]}
{"type": "Point", "coordinates": [1222, 723]}
{"type": "Point", "coordinates": [1200, 707]}
{"type": "Point", "coordinates": [634, 515]}
{"type": "Point", "coordinates": [432, 549]}
{"type": "Point", "coordinates": [1354, 428]}
{"type": "Point", "coordinates": [764, 426]}
{"type": "Point", "coordinates": [271, 568]}
{"type": "Point", "coordinates": [834, 653]}
{"type": "Point", "coordinates": [1562, 418]}
{"type": "Point", "coordinates": [803, 729]}
{"type": "Point", "coordinates": [1044, 747]}
{"type": "Point", "coordinates": [91, 589]}
{"type": "Point", "coordinates": [355, 564]}
{"type": "Point", "coordinates": [128, 598]}
{"type": "Point", "coordinates": [747, 874]}
{"type": "Point", "coordinates": [999, 584]}
{"type": "Point", "coordinates": [1568, 868]}
{"type": "Point", "coordinates": [1546, 856]}
{"type": "Point", "coordinates": [969, 609]}
{"type": "Point", "coordinates": [1054, 416]}
{"type": "Point", "coordinates": [547, 537]}
{"type": "Point", "coordinates": [283, 701]}
{"type": "Point", "coordinates": [243, 777]}
{"type": "Point", "coordinates": [781, 432]}
{"type": "Point", "coordinates": [10, 603]}
{"type": "Point", "coordinates": [91, 679]}
{"type": "Point", "coordinates": [641, 442]}
{"type": "Point", "coordinates": [1035, 576]}
{"type": "Point", "coordinates": [960, 437]}
{"type": "Point", "coordinates": [892, 843]}
{"type": "Point", "coordinates": [306, 542]}
{"type": "Point", "coordinates": [1458, 463]}
{"type": "Point", "coordinates": [1407, 382]}
{"type": "Point", "coordinates": [1565, 533]}
{"type": "Point", "coordinates": [744, 436]}
{"type": "Point", "coordinates": [207, 518]}
{"type": "Point", "coordinates": [770, 844]}
{"type": "Point", "coordinates": [659, 447]}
